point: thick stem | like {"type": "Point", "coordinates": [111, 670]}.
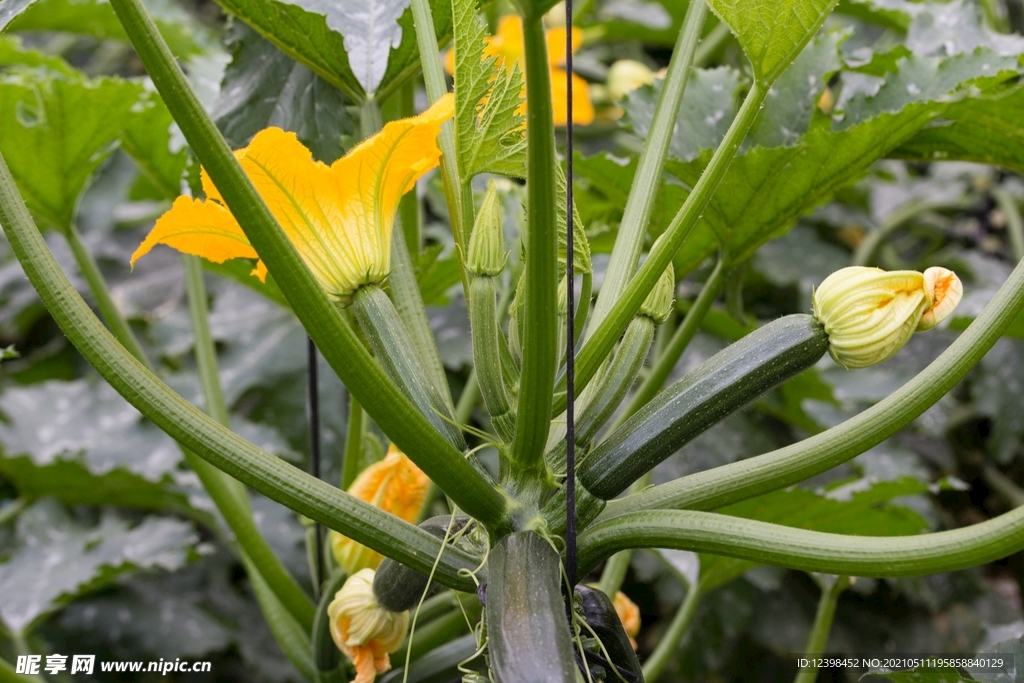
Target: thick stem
{"type": "Point", "coordinates": [104, 301]}
{"type": "Point", "coordinates": [637, 213]}
{"type": "Point", "coordinates": [212, 441]}
{"type": "Point", "coordinates": [625, 307]}
{"type": "Point", "coordinates": [783, 467]}
{"type": "Point", "coordinates": [818, 637]}
{"type": "Point", "coordinates": [353, 443]}
{"type": "Point", "coordinates": [397, 416]}
{"type": "Point", "coordinates": [483, 318]}
{"type": "Point", "coordinates": [540, 306]}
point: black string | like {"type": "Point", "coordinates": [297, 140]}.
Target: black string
{"type": "Point", "coordinates": [570, 427]}
{"type": "Point", "coordinates": [314, 454]}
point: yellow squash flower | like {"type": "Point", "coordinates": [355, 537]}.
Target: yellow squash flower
{"type": "Point", "coordinates": [339, 217]}
{"type": "Point", "coordinates": [869, 314]}
{"type": "Point", "coordinates": [366, 632]}
{"type": "Point", "coordinates": [629, 615]}
{"type": "Point", "coordinates": [394, 485]}
{"type": "Point", "coordinates": [507, 46]}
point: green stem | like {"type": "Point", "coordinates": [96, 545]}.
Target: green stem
{"type": "Point", "coordinates": [655, 380]}
{"type": "Point", "coordinates": [1014, 223]}
{"type": "Point", "coordinates": [353, 443]}
{"type": "Point", "coordinates": [293, 638]}
{"type": "Point", "coordinates": [206, 352]}
{"type": "Point", "coordinates": [783, 467]}
{"type": "Point", "coordinates": [483, 320]}
{"type": "Point", "coordinates": [397, 416]}
{"type": "Point", "coordinates": [437, 87]}
{"type": "Point", "coordinates": [98, 286]}
{"type": "Point", "coordinates": [637, 213]}
{"type": "Point", "coordinates": [818, 638]}
{"type": "Point", "coordinates": [468, 399]}
{"type": "Point", "coordinates": [669, 644]}
{"type": "Point", "coordinates": [389, 339]}
{"type": "Point", "coordinates": [1003, 485]}
{"type": "Point", "coordinates": [202, 435]}
{"type": "Point", "coordinates": [810, 551]}
{"type": "Point", "coordinates": [715, 38]}
{"type": "Point", "coordinates": [540, 306]}
{"type": "Point", "coordinates": [409, 208]}
{"type": "Point", "coordinates": [614, 573]}
{"type": "Point", "coordinates": [625, 307]}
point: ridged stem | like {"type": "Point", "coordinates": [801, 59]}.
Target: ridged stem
{"type": "Point", "coordinates": [396, 415]}
{"type": "Point", "coordinates": [786, 466]}
{"type": "Point", "coordinates": [202, 435]}
{"type": "Point", "coordinates": [637, 213]}
{"type": "Point", "coordinates": [540, 306]}
{"type": "Point", "coordinates": [353, 443]}
{"type": "Point", "coordinates": [483, 318]}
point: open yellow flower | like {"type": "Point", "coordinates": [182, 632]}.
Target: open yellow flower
{"type": "Point", "coordinates": [507, 46]}
{"type": "Point", "coordinates": [362, 629]}
{"type": "Point", "coordinates": [869, 314]}
{"type": "Point", "coordinates": [394, 485]}
{"type": "Point", "coordinates": [339, 217]}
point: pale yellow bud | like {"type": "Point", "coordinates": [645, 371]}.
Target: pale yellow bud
{"type": "Point", "coordinates": [869, 314]}
{"type": "Point", "coordinates": [366, 632]}
{"type": "Point", "coordinates": [627, 75]}
{"type": "Point", "coordinates": [658, 304]}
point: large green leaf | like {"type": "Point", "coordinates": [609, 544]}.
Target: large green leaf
{"type": "Point", "coordinates": [56, 131]}
{"type": "Point", "coordinates": [148, 139]}
{"type": "Point", "coordinates": [264, 87]}
{"type": "Point", "coordinates": [359, 47]}
{"type": "Point", "coordinates": [11, 9]}
{"type": "Point", "coordinates": [57, 558]}
{"type": "Point", "coordinates": [860, 508]}
{"type": "Point", "coordinates": [491, 135]}
{"type": "Point", "coordinates": [184, 34]}
{"type": "Point", "coordinates": [772, 32]}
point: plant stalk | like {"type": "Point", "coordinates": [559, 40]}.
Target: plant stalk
{"type": "Point", "coordinates": [818, 638]}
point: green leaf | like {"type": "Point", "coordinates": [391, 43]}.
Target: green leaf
{"type": "Point", "coordinates": [147, 138]}
{"type": "Point", "coordinates": [772, 32]}
{"type": "Point", "coordinates": [264, 87]}
{"type": "Point", "coordinates": [320, 35]}
{"type": "Point", "coordinates": [55, 132]}
{"type": "Point", "coordinates": [860, 508]}
{"type": "Point", "coordinates": [185, 35]}
{"type": "Point", "coordinates": [436, 274]}
{"type": "Point", "coordinates": [58, 558]}
{"type": "Point", "coordinates": [490, 134]}
{"type": "Point", "coordinates": [12, 52]}
{"type": "Point", "coordinates": [11, 9]}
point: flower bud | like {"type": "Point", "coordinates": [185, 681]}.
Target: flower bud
{"type": "Point", "coordinates": [627, 75]}
{"type": "Point", "coordinates": [394, 485]}
{"type": "Point", "coordinates": [486, 254]}
{"type": "Point", "coordinates": [629, 615]}
{"type": "Point", "coordinates": [869, 314]}
{"type": "Point", "coordinates": [366, 632]}
{"type": "Point", "coordinates": [658, 304]}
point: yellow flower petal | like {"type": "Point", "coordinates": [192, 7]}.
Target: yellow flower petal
{"type": "Point", "coordinates": [340, 218]}
{"type": "Point", "coordinates": [582, 107]}
{"type": "Point", "coordinates": [395, 485]}
{"type": "Point", "coordinates": [362, 629]}
{"type": "Point", "coordinates": [555, 38]}
{"type": "Point", "coordinates": [199, 228]}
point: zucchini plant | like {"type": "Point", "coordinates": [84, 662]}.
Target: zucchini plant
{"type": "Point", "coordinates": [545, 500]}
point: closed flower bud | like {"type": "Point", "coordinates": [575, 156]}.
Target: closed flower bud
{"type": "Point", "coordinates": [394, 485]}
{"type": "Point", "coordinates": [627, 75]}
{"type": "Point", "coordinates": [629, 615]}
{"type": "Point", "coordinates": [366, 632]}
{"type": "Point", "coordinates": [487, 243]}
{"type": "Point", "coordinates": [869, 314]}
{"type": "Point", "coordinates": [658, 304]}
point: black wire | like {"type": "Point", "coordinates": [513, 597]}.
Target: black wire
{"type": "Point", "coordinates": [570, 369]}
{"type": "Point", "coordinates": [314, 453]}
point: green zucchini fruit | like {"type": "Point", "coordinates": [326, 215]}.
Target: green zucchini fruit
{"type": "Point", "coordinates": [722, 385]}
{"type": "Point", "coordinates": [397, 587]}
{"type": "Point", "coordinates": [600, 615]}
{"type": "Point", "coordinates": [527, 629]}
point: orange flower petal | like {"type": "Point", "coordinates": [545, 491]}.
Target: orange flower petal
{"type": "Point", "coordinates": [200, 228]}
{"type": "Point", "coordinates": [582, 107]}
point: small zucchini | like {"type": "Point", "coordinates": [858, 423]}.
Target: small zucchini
{"type": "Point", "coordinates": [725, 383]}
{"type": "Point", "coordinates": [528, 637]}
{"type": "Point", "coordinates": [397, 587]}
{"type": "Point", "coordinates": [600, 615]}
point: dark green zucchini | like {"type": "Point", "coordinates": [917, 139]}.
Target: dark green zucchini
{"type": "Point", "coordinates": [600, 615]}
{"type": "Point", "coordinates": [397, 587]}
{"type": "Point", "coordinates": [528, 637]}
{"type": "Point", "coordinates": [725, 383]}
